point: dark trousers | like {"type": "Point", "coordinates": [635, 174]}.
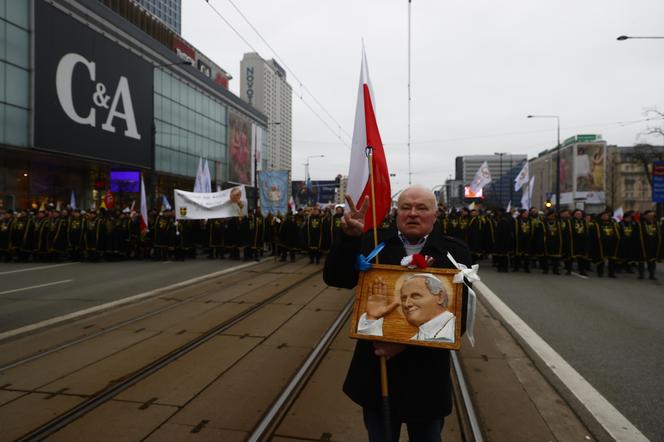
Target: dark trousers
{"type": "Point", "coordinates": [651, 269]}
{"type": "Point", "coordinates": [525, 260]}
{"type": "Point", "coordinates": [612, 268]}
{"type": "Point", "coordinates": [420, 431]}
{"type": "Point", "coordinates": [550, 263]}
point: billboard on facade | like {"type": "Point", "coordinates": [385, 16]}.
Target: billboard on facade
{"type": "Point", "coordinates": [589, 167]}
{"type": "Point", "coordinates": [321, 192]}
{"type": "Point", "coordinates": [240, 164]}
{"type": "Point", "coordinates": [566, 169]}
{"type": "Point", "coordinates": [93, 98]}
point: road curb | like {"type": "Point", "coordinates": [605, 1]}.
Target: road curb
{"type": "Point", "coordinates": [603, 420]}
{"type": "Point", "coordinates": [99, 308]}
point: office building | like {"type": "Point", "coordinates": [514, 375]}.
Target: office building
{"type": "Point", "coordinates": [105, 99]}
{"type": "Point", "coordinates": [263, 85]}
{"type": "Point", "coordinates": [168, 11]}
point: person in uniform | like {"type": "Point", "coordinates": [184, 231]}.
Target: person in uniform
{"type": "Point", "coordinates": [652, 241]}
{"type": "Point", "coordinates": [258, 238]}
{"type": "Point", "coordinates": [631, 251]}
{"type": "Point", "coordinates": [7, 223]}
{"type": "Point", "coordinates": [214, 232]}
{"type": "Point", "coordinates": [606, 244]}
{"type": "Point", "coordinates": [475, 235]}
{"type": "Point", "coordinates": [42, 227]}
{"type": "Point", "coordinates": [164, 236]}
{"type": "Point", "coordinates": [537, 241]}
{"type": "Point", "coordinates": [580, 243]}
{"type": "Point", "coordinates": [504, 240]}
{"type": "Point", "coordinates": [553, 243]}
{"type": "Point", "coordinates": [335, 227]}
{"type": "Point", "coordinates": [314, 235]}
{"type": "Point", "coordinates": [93, 236]}
{"type": "Point", "coordinates": [423, 404]}
{"type": "Point", "coordinates": [522, 241]}
{"type": "Point", "coordinates": [288, 237]}
{"type": "Point", "coordinates": [22, 225]}
{"type": "Point", "coordinates": [75, 235]}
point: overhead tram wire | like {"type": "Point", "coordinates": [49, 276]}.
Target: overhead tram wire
{"type": "Point", "coordinates": [283, 63]}
{"type": "Point", "coordinates": [346, 143]}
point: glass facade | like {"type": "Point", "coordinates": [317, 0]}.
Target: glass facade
{"type": "Point", "coordinates": [189, 125]}
{"type": "Point", "coordinates": [14, 72]}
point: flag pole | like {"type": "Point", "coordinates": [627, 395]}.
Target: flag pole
{"type": "Point", "coordinates": [384, 389]}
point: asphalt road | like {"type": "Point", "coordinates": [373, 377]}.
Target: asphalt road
{"type": "Point", "coordinates": [34, 292]}
{"type": "Point", "coordinates": [610, 330]}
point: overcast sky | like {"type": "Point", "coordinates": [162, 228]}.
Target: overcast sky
{"type": "Point", "coordinates": [478, 68]}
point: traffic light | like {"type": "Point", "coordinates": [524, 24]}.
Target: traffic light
{"type": "Point", "coordinates": [548, 204]}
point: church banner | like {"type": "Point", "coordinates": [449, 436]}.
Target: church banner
{"type": "Point", "coordinates": [273, 187]}
{"type": "Point", "coordinates": [225, 204]}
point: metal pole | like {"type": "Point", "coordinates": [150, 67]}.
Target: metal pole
{"type": "Point", "coordinates": [409, 169]}
{"type": "Point", "coordinates": [500, 182]}
{"type": "Point", "coordinates": [558, 168]}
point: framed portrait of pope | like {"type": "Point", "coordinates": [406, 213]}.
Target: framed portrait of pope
{"type": "Point", "coordinates": [408, 306]}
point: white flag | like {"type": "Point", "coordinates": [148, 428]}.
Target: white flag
{"type": "Point", "coordinates": [143, 220]}
{"type": "Point", "coordinates": [509, 207]}
{"type": "Point", "coordinates": [525, 198]}
{"type": "Point", "coordinates": [618, 214]}
{"type": "Point", "coordinates": [72, 201]}
{"type": "Point", "coordinates": [482, 178]}
{"type": "Point", "coordinates": [206, 184]}
{"type": "Point", "coordinates": [522, 178]}
{"type": "Point", "coordinates": [165, 205]}
{"type": "Point", "coordinates": [199, 177]}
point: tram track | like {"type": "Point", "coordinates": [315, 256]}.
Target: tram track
{"type": "Point", "coordinates": [53, 426]}
{"type": "Point", "coordinates": [124, 323]}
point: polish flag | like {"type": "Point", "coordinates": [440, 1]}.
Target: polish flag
{"type": "Point", "coordinates": [366, 134]}
{"type": "Point", "coordinates": [144, 209]}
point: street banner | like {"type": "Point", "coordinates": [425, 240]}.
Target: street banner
{"type": "Point", "coordinates": [482, 178]}
{"type": "Point", "coordinates": [658, 182]}
{"type": "Point", "coordinates": [366, 134]}
{"type": "Point", "coordinates": [225, 204]}
{"type": "Point", "coordinates": [273, 187]}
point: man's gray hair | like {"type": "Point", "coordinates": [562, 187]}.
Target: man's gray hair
{"type": "Point", "coordinates": [430, 195]}
{"type": "Point", "coordinates": [434, 285]}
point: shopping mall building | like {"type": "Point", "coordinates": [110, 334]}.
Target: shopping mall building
{"type": "Point", "coordinates": [94, 94]}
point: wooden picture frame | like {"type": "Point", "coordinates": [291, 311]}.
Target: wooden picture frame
{"type": "Point", "coordinates": [421, 317]}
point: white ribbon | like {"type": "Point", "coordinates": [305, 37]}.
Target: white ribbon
{"type": "Point", "coordinates": [470, 275]}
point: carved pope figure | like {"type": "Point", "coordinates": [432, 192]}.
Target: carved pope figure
{"type": "Point", "coordinates": [424, 304]}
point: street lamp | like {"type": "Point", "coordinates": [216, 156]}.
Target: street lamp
{"type": "Point", "coordinates": [557, 155]}
{"type": "Point", "coordinates": [306, 170]}
{"type": "Point", "coordinates": [626, 37]}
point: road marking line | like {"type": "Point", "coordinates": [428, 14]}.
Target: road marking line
{"type": "Point", "coordinates": [36, 286]}
{"type": "Point", "coordinates": [98, 308]}
{"type": "Point", "coordinates": [38, 268]}
{"type": "Point", "coordinates": [601, 409]}
{"type": "Point", "coordinates": [579, 275]}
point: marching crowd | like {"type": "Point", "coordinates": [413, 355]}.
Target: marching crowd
{"type": "Point", "coordinates": [53, 235]}
{"type": "Point", "coordinates": [521, 240]}
{"type": "Point", "coordinates": [551, 240]}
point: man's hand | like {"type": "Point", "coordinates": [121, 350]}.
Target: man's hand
{"type": "Point", "coordinates": [387, 349]}
{"type": "Point", "coordinates": [378, 301]}
{"type": "Point", "coordinates": [352, 223]}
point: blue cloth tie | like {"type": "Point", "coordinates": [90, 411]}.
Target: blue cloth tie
{"type": "Point", "coordinates": [363, 263]}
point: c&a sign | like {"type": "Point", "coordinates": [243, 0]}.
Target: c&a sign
{"type": "Point", "coordinates": [93, 98]}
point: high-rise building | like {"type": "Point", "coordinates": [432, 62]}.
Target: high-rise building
{"type": "Point", "coordinates": [168, 11]}
{"type": "Point", "coordinates": [263, 85]}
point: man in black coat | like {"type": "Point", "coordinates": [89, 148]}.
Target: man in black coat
{"type": "Point", "coordinates": [423, 404]}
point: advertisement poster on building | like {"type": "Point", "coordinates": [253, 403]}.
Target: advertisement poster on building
{"type": "Point", "coordinates": [566, 182]}
{"type": "Point", "coordinates": [589, 167]}
{"type": "Point", "coordinates": [240, 164]}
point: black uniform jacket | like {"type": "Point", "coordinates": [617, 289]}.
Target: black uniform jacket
{"type": "Point", "coordinates": [419, 377]}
